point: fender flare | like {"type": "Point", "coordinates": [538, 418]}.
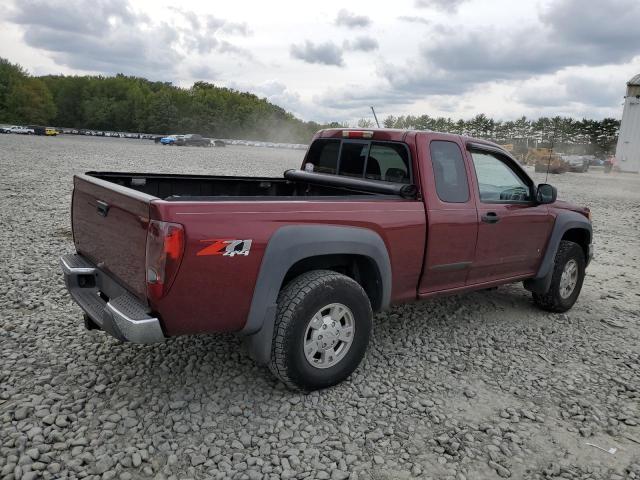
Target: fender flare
{"type": "Point", "coordinates": [565, 221]}
{"type": "Point", "coordinates": [287, 246]}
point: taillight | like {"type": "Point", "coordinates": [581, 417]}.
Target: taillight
{"type": "Point", "coordinates": [357, 134]}
{"type": "Point", "coordinates": [165, 247]}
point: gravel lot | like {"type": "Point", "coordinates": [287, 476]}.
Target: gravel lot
{"type": "Point", "coordinates": [476, 386]}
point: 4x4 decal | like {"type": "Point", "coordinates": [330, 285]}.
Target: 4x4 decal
{"type": "Point", "coordinates": [228, 248]}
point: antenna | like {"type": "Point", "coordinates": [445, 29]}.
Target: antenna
{"type": "Point", "coordinates": [375, 116]}
{"type": "Point", "coordinates": [553, 138]}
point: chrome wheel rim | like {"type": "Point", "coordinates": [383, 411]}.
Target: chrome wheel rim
{"type": "Point", "coordinates": [329, 335]}
{"type": "Point", "coordinates": [569, 279]}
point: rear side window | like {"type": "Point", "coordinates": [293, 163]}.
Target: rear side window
{"type": "Point", "coordinates": [449, 172]}
{"type": "Point", "coordinates": [386, 161]}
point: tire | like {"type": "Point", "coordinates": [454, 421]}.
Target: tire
{"type": "Point", "coordinates": [313, 298]}
{"type": "Point", "coordinates": [558, 299]}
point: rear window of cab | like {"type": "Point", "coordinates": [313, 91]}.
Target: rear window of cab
{"type": "Point", "coordinates": [388, 161]}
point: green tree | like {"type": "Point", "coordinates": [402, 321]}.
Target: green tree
{"type": "Point", "coordinates": [11, 76]}
{"type": "Point", "coordinates": [365, 123]}
{"type": "Point", "coordinates": [30, 102]}
{"type": "Point", "coordinates": [162, 113]}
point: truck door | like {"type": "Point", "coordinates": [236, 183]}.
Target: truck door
{"type": "Point", "coordinates": [452, 222]}
{"type": "Point", "coordinates": [512, 228]}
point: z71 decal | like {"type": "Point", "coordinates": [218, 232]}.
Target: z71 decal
{"type": "Point", "coordinates": [228, 248]}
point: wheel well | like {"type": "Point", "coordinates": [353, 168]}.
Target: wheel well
{"type": "Point", "coordinates": [361, 268]}
{"type": "Point", "coordinates": [579, 236]}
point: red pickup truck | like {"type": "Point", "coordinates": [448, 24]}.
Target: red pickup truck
{"type": "Point", "coordinates": [297, 265]}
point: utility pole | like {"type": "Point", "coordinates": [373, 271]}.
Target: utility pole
{"type": "Point", "coordinates": [375, 116]}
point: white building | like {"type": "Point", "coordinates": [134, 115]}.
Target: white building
{"type": "Point", "coordinates": [628, 148]}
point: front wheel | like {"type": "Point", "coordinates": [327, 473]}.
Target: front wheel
{"type": "Point", "coordinates": [566, 282]}
{"type": "Point", "coordinates": [322, 330]}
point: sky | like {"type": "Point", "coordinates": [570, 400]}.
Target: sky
{"type": "Point", "coordinates": [330, 60]}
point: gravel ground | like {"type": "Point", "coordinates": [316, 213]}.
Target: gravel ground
{"type": "Point", "coordinates": [479, 386]}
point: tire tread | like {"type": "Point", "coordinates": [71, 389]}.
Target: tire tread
{"type": "Point", "coordinates": [550, 300]}
{"type": "Point", "coordinates": [288, 300]}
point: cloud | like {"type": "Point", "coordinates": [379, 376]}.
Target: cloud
{"type": "Point", "coordinates": [210, 24]}
{"type": "Point", "coordinates": [421, 20]}
{"type": "Point", "coordinates": [227, 47]}
{"type": "Point", "coordinates": [604, 26]}
{"type": "Point", "coordinates": [356, 98]}
{"type": "Point", "coordinates": [567, 34]}
{"type": "Point", "coordinates": [203, 72]}
{"type": "Point", "coordinates": [125, 51]}
{"type": "Point", "coordinates": [361, 44]}
{"type": "Point", "coordinates": [108, 36]}
{"type": "Point", "coordinates": [327, 53]}
{"type": "Point", "coordinates": [351, 20]}
{"type": "Point", "coordinates": [445, 5]}
{"type": "Point", "coordinates": [570, 88]}
{"type": "Point", "coordinates": [203, 34]}
{"type": "Point", "coordinates": [75, 16]}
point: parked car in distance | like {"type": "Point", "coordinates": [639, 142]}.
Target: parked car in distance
{"type": "Point", "coordinates": [193, 140]}
{"type": "Point", "coordinates": [576, 163]}
{"type": "Point", "coordinates": [50, 131]}
{"type": "Point", "coordinates": [169, 139]}
{"type": "Point", "coordinates": [297, 265]}
{"type": "Point", "coordinates": [38, 129]}
{"type": "Point", "coordinates": [218, 143]}
{"type": "Point", "coordinates": [21, 130]}
{"type": "Point", "coordinates": [5, 129]}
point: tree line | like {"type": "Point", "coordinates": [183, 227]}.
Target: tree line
{"type": "Point", "coordinates": [600, 136]}
{"type": "Point", "coordinates": [133, 104]}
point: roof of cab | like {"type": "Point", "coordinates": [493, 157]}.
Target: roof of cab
{"type": "Point", "coordinates": [399, 135]}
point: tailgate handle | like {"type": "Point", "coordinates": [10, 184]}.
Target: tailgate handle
{"type": "Point", "coordinates": [103, 208]}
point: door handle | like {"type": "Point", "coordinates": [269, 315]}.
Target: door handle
{"type": "Point", "coordinates": [490, 217]}
{"type": "Point", "coordinates": [103, 208]}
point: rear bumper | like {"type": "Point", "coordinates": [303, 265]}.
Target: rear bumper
{"type": "Point", "coordinates": [110, 306]}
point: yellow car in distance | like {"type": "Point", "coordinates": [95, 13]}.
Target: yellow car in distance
{"type": "Point", "coordinates": [50, 131]}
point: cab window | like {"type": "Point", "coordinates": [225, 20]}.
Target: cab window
{"type": "Point", "coordinates": [387, 161]}
{"type": "Point", "coordinates": [449, 172]}
{"type": "Point", "coordinates": [497, 181]}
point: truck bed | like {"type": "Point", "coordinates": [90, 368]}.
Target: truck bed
{"type": "Point", "coordinates": [171, 187]}
{"type": "Point", "coordinates": [111, 211]}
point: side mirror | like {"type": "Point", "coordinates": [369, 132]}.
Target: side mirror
{"type": "Point", "coordinates": [546, 193]}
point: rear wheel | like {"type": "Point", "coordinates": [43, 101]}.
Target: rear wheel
{"type": "Point", "coordinates": [322, 330]}
{"type": "Point", "coordinates": [566, 283]}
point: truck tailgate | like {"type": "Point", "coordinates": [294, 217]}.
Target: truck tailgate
{"type": "Point", "coordinates": [110, 228]}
